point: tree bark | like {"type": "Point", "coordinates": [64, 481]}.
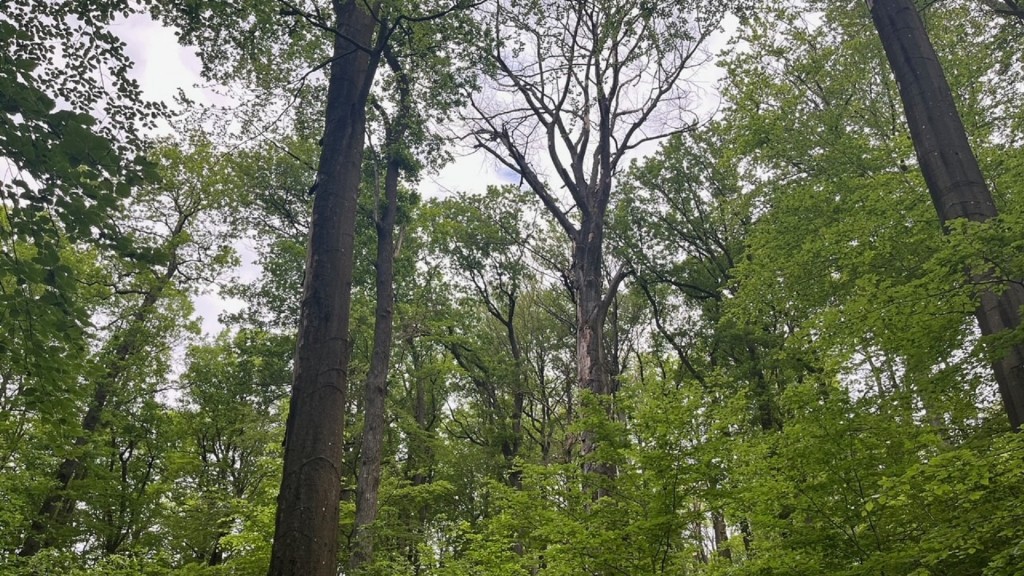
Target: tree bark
{"type": "Point", "coordinates": [721, 534]}
{"type": "Point", "coordinates": [376, 391]}
{"type": "Point", "coordinates": [592, 372]}
{"type": "Point", "coordinates": [951, 171]}
{"type": "Point", "coordinates": [306, 529]}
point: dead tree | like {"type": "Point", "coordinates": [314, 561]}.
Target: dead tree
{"type": "Point", "coordinates": [572, 89]}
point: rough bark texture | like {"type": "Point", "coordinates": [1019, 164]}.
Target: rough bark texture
{"type": "Point", "coordinates": [591, 312]}
{"type": "Point", "coordinates": [306, 531]}
{"type": "Point", "coordinates": [376, 390]}
{"type": "Point", "coordinates": [950, 169]}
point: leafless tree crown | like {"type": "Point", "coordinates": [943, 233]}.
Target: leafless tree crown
{"type": "Point", "coordinates": [579, 84]}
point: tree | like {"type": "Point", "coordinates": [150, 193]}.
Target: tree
{"type": "Point", "coordinates": [844, 259]}
{"type": "Point", "coordinates": [840, 244]}
{"type": "Point", "coordinates": [177, 247]}
{"type": "Point", "coordinates": [227, 463]}
{"type": "Point", "coordinates": [423, 80]}
{"type": "Point", "coordinates": [582, 85]}
{"type": "Point", "coordinates": [787, 382]}
{"type": "Point", "coordinates": [385, 217]}
{"type": "Point", "coordinates": [682, 224]}
{"type": "Point", "coordinates": [954, 179]}
{"type": "Point", "coordinates": [483, 241]}
{"type": "Point", "coordinates": [305, 539]}
{"type": "Point", "coordinates": [67, 175]}
{"type": "Point", "coordinates": [306, 534]}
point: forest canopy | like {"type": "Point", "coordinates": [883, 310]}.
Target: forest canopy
{"type": "Point", "coordinates": [741, 295]}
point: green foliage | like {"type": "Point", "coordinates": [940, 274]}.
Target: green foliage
{"type": "Point", "coordinates": [957, 511]}
{"type": "Point", "coordinates": [801, 390]}
{"type": "Point", "coordinates": [882, 378]}
{"type": "Point", "coordinates": [484, 236]}
{"type": "Point", "coordinates": [231, 426]}
{"type": "Point", "coordinates": [67, 175]}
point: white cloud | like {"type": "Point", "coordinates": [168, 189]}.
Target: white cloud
{"type": "Point", "coordinates": [162, 66]}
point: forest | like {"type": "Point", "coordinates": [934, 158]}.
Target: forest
{"type": "Point", "coordinates": [743, 297]}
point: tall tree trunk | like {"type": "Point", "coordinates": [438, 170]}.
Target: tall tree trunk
{"type": "Point", "coordinates": [591, 310]}
{"type": "Point", "coordinates": [375, 394]}
{"type": "Point", "coordinates": [951, 171]}
{"type": "Point", "coordinates": [306, 529]}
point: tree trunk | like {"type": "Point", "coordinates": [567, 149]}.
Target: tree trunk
{"type": "Point", "coordinates": [306, 529]}
{"type": "Point", "coordinates": [950, 170]}
{"type": "Point", "coordinates": [591, 310]}
{"type": "Point", "coordinates": [721, 534]}
{"type": "Point", "coordinates": [515, 475]}
{"type": "Point", "coordinates": [510, 446]}
{"type": "Point", "coordinates": [375, 395]}
{"type": "Point", "coordinates": [58, 506]}
{"type": "Point", "coordinates": [748, 538]}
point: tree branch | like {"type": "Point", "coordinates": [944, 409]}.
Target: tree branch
{"type": "Point", "coordinates": [317, 21]}
{"type": "Point", "coordinates": [621, 274]}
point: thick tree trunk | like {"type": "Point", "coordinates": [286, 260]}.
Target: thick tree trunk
{"type": "Point", "coordinates": [375, 394]}
{"type": "Point", "coordinates": [950, 169]}
{"type": "Point", "coordinates": [592, 371]}
{"type": "Point", "coordinates": [306, 530]}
